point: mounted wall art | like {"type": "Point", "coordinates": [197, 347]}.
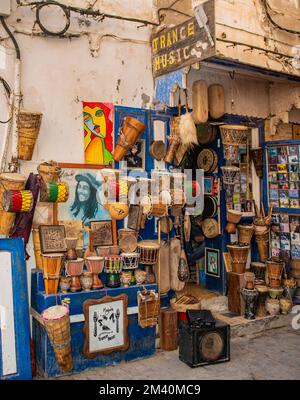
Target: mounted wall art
{"type": "Point", "coordinates": [212, 262]}
{"type": "Point", "coordinates": [106, 325]}
{"type": "Point", "coordinates": [52, 238]}
{"type": "Point", "coordinates": [102, 233]}
{"type": "Point", "coordinates": [98, 132]}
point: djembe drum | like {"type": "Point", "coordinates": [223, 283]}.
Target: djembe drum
{"type": "Point", "coordinates": [54, 192]}
{"type": "Point", "coordinates": [49, 172]}
{"type": "Point", "coordinates": [128, 135]}
{"type": "Point", "coordinates": [250, 297]}
{"type": "Point", "coordinates": [249, 279]}
{"type": "Point", "coordinates": [95, 265]}
{"type": "Point", "coordinates": [71, 243]}
{"type": "Point", "coordinates": [57, 324]}
{"type": "Point", "coordinates": [259, 270]}
{"type": "Point", "coordinates": [51, 264]}
{"type": "Point", "coordinates": [245, 234]}
{"type": "Point", "coordinates": [130, 263]}
{"type": "Point", "coordinates": [74, 269]}
{"type": "Point", "coordinates": [239, 256]}
{"type": "Point", "coordinates": [233, 218]}
{"type": "Point", "coordinates": [230, 177]}
{"type": "Point", "coordinates": [261, 301]}
{"type": "Point", "coordinates": [274, 271]}
{"type": "Point", "coordinates": [233, 136]}
{"type": "Point", "coordinates": [262, 240]}
{"type": "Point", "coordinates": [113, 268]}
{"type": "Point", "coordinates": [148, 254]}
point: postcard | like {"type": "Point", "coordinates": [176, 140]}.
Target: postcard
{"type": "Point", "coordinates": [272, 151]}
{"type": "Point", "coordinates": [294, 194]}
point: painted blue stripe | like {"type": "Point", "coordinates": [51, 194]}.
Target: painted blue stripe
{"type": "Point", "coordinates": [1, 364]}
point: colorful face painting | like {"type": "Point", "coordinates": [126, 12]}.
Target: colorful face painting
{"type": "Point", "coordinates": [98, 133]}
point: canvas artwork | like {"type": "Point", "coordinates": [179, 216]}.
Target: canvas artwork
{"type": "Point", "coordinates": [212, 262]}
{"type": "Point", "coordinates": [98, 132]}
{"type": "Point", "coordinates": [52, 238]}
{"type": "Point", "coordinates": [102, 233]}
{"type": "Point", "coordinates": [135, 158]}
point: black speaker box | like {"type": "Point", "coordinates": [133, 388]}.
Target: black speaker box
{"type": "Point", "coordinates": [204, 346]}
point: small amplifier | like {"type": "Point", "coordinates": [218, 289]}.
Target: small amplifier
{"type": "Point", "coordinates": [204, 346]}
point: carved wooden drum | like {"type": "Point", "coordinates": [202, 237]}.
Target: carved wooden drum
{"type": "Point", "coordinates": [148, 251]}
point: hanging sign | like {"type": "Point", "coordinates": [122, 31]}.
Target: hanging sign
{"type": "Point", "coordinates": [185, 44]}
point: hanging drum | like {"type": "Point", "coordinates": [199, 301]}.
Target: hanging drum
{"type": "Point", "coordinates": [210, 228]}
{"type": "Point", "coordinates": [234, 135]}
{"type": "Point", "coordinates": [210, 207]}
{"type": "Point", "coordinates": [207, 160]}
{"type": "Point", "coordinates": [216, 100]}
{"type": "Point", "coordinates": [54, 192]}
{"type": "Point", "coordinates": [17, 200]}
{"type": "Point", "coordinates": [206, 133]}
{"type": "Point", "coordinates": [158, 150]}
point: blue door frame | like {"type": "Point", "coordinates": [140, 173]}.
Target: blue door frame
{"type": "Point", "coordinates": [21, 310]}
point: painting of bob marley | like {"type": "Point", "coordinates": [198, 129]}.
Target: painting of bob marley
{"type": "Point", "coordinates": [98, 133]}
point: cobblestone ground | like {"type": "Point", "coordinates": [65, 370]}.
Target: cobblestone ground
{"type": "Point", "coordinates": [273, 355]}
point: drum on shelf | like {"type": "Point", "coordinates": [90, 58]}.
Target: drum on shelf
{"type": "Point", "coordinates": [127, 240]}
{"type": "Point", "coordinates": [262, 240]}
{"type": "Point", "coordinates": [148, 252]}
{"type": "Point", "coordinates": [206, 133]}
{"type": "Point", "coordinates": [239, 256]}
{"type": "Point", "coordinates": [207, 160]}
{"type": "Point", "coordinates": [57, 324]}
{"type": "Point", "coordinates": [262, 297]}
{"type": "Point", "coordinates": [74, 269]}
{"type": "Point", "coordinates": [95, 265]}
{"type": "Point", "coordinates": [130, 261]}
{"type": "Point", "coordinates": [128, 135]}
{"type": "Point", "coordinates": [54, 192]}
{"type": "Point", "coordinates": [274, 271]}
{"type": "Point", "coordinates": [17, 200]}
{"type": "Point", "coordinates": [230, 175]}
{"type": "Point", "coordinates": [259, 270]}
{"type": "Point", "coordinates": [51, 264]}
{"type": "Point", "coordinates": [245, 234]}
{"type": "Point", "coordinates": [234, 135]}
{"type": "Point", "coordinates": [113, 268]}
{"type": "Point", "coordinates": [210, 209]}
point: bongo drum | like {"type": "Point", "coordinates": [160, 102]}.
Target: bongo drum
{"type": "Point", "coordinates": [54, 192]}
{"type": "Point", "coordinates": [148, 252]}
{"type": "Point", "coordinates": [49, 172]}
{"type": "Point", "coordinates": [239, 256]}
{"type": "Point", "coordinates": [127, 240]}
{"type": "Point", "coordinates": [95, 265]}
{"type": "Point", "coordinates": [245, 234]}
{"type": "Point", "coordinates": [57, 324]}
{"type": "Point", "coordinates": [130, 262]}
{"type": "Point", "coordinates": [113, 268]}
{"type": "Point", "coordinates": [210, 207]}
{"type": "Point", "coordinates": [128, 135]}
{"type": "Point", "coordinates": [9, 181]}
{"type": "Point", "coordinates": [274, 271]}
{"type": "Point", "coordinates": [17, 200]}
{"type": "Point", "coordinates": [74, 269]}
{"type": "Point", "coordinates": [52, 264]}
{"type": "Point", "coordinates": [261, 303]}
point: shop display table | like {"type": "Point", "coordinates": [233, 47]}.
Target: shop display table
{"type": "Point", "coordinates": [142, 340]}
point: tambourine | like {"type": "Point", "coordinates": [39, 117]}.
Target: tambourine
{"type": "Point", "coordinates": [210, 228]}
{"type": "Point", "coordinates": [207, 160]}
{"type": "Point", "coordinates": [210, 207]}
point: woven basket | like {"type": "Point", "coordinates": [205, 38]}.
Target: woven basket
{"type": "Point", "coordinates": [28, 127]}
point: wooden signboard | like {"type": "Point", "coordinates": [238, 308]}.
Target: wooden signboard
{"type": "Point", "coordinates": [185, 44]}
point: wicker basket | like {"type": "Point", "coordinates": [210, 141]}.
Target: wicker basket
{"type": "Point", "coordinates": [148, 308]}
{"type": "Point", "coordinates": [28, 127]}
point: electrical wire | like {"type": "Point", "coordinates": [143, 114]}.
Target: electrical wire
{"type": "Point", "coordinates": [17, 48]}
{"type": "Point", "coordinates": [267, 8]}
{"type": "Point", "coordinates": [8, 92]}
{"type": "Point", "coordinates": [65, 10]}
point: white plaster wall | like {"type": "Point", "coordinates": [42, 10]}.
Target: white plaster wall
{"type": "Point", "coordinates": [58, 74]}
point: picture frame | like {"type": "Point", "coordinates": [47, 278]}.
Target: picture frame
{"type": "Point", "coordinates": [212, 262]}
{"type": "Point", "coordinates": [102, 232]}
{"type": "Point", "coordinates": [134, 217]}
{"type": "Point", "coordinates": [136, 156]}
{"type": "Point", "coordinates": [75, 208]}
{"type": "Point", "coordinates": [52, 239]}
{"type": "Point", "coordinates": [106, 325]}
{"type": "Point", "coordinates": [209, 185]}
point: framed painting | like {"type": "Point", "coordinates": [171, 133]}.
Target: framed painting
{"type": "Point", "coordinates": [135, 157]}
{"type": "Point", "coordinates": [52, 238]}
{"type": "Point", "coordinates": [212, 262]}
{"type": "Point", "coordinates": [98, 132]}
{"type": "Point", "coordinates": [102, 233]}
{"type": "Point", "coordinates": [85, 194]}
{"type": "Point", "coordinates": [106, 325]}
{"type": "Point", "coordinates": [209, 185]}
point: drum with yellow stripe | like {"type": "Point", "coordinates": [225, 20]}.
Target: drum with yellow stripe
{"type": "Point", "coordinates": [17, 200]}
{"type": "Point", "coordinates": [54, 192]}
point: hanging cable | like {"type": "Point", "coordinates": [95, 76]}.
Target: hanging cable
{"type": "Point", "coordinates": [267, 8]}
{"type": "Point", "coordinates": [3, 22]}
{"type": "Point", "coordinates": [8, 92]}
{"type": "Point", "coordinates": [66, 12]}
